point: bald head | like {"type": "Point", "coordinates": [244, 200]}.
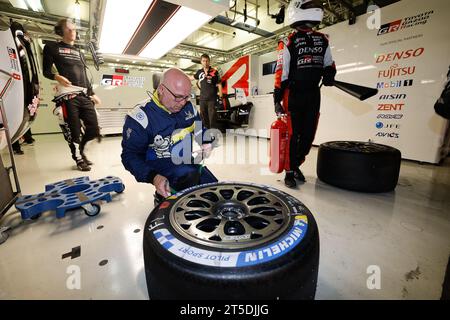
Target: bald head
{"type": "Point", "coordinates": [174, 85]}
{"type": "Point", "coordinates": [174, 77]}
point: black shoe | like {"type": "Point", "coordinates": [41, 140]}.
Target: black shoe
{"type": "Point", "coordinates": [18, 151]}
{"type": "Point", "coordinates": [157, 199]}
{"type": "Point", "coordinates": [289, 180]}
{"type": "Point", "coordinates": [29, 142]}
{"type": "Point", "coordinates": [87, 161]}
{"type": "Point", "coordinates": [298, 174]}
{"type": "Point", "coordinates": [82, 166]}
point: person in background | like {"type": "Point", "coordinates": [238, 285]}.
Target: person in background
{"type": "Point", "coordinates": [304, 59]}
{"type": "Point", "coordinates": [209, 84]}
{"type": "Point", "coordinates": [75, 95]}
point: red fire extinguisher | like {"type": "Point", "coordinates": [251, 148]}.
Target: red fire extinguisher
{"type": "Point", "coordinates": [279, 144]}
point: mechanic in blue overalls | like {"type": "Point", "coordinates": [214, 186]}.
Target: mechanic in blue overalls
{"type": "Point", "coordinates": [158, 137]}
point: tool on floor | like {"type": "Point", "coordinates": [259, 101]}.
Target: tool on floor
{"type": "Point", "coordinates": [70, 194]}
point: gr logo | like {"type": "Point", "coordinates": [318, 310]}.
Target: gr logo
{"type": "Point", "coordinates": [112, 80]}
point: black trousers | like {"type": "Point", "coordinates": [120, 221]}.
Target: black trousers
{"type": "Point", "coordinates": [208, 113]}
{"type": "Point", "coordinates": [304, 107]}
{"type": "Point", "coordinates": [75, 110]}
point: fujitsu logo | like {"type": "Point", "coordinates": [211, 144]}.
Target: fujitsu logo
{"type": "Point", "coordinates": [396, 71]}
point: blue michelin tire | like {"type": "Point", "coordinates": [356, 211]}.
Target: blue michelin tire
{"type": "Point", "coordinates": [231, 241]}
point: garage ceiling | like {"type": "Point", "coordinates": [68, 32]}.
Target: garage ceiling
{"type": "Point", "coordinates": [227, 36]}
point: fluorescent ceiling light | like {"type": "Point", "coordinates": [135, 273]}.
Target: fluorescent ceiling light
{"type": "Point", "coordinates": [250, 22]}
{"type": "Point", "coordinates": [120, 21]}
{"type": "Point", "coordinates": [180, 26]}
{"type": "Point", "coordinates": [19, 4]}
{"type": "Point", "coordinates": [35, 5]}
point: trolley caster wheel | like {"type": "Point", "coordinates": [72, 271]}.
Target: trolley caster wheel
{"type": "Point", "coordinates": [121, 190]}
{"type": "Point", "coordinates": [4, 235]}
{"type": "Point", "coordinates": [91, 210]}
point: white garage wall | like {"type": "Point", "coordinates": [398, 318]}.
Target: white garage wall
{"type": "Point", "coordinates": [361, 55]}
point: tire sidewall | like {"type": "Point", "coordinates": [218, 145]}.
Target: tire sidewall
{"type": "Point", "coordinates": [278, 273]}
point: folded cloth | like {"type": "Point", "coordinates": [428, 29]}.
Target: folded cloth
{"type": "Point", "coordinates": [62, 91]}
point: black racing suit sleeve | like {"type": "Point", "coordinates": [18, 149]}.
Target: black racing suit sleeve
{"type": "Point", "coordinates": [197, 75]}
{"type": "Point", "coordinates": [329, 70]}
{"type": "Point", "coordinates": [47, 62]}
{"type": "Point", "coordinates": [135, 143]}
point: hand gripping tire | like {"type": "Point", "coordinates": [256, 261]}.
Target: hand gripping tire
{"type": "Point", "coordinates": [231, 241]}
{"type": "Point", "coordinates": [359, 166]}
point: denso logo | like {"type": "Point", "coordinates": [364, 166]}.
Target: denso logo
{"type": "Point", "coordinates": [112, 80]}
{"type": "Point", "coordinates": [393, 135]}
{"type": "Point", "coordinates": [393, 96]}
{"type": "Point", "coordinates": [401, 55]}
{"type": "Point", "coordinates": [390, 107]}
{"type": "Point", "coordinates": [309, 50]}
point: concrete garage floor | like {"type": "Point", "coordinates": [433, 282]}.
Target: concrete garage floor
{"type": "Point", "coordinates": [404, 233]}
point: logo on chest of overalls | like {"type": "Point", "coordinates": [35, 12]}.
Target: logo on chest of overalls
{"type": "Point", "coordinates": [189, 115]}
{"type": "Point", "coordinates": [309, 50]}
{"type": "Point", "coordinates": [161, 146]}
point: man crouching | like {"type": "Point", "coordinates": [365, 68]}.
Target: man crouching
{"type": "Point", "coordinates": [154, 131]}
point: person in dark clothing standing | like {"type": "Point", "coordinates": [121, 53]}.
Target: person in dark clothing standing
{"type": "Point", "coordinates": [76, 97]}
{"type": "Point", "coordinates": [209, 82]}
{"type": "Point", "coordinates": [304, 59]}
